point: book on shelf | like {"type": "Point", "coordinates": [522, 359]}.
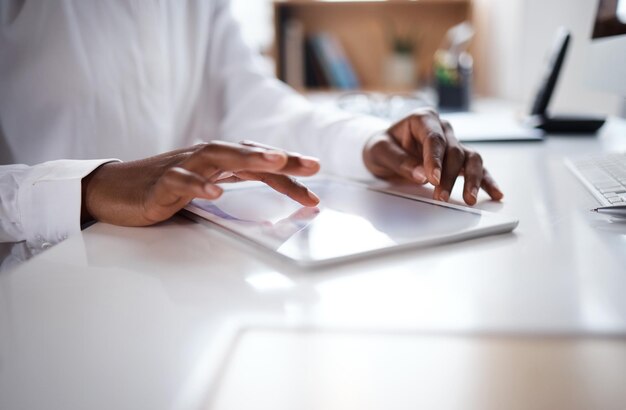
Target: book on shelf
{"type": "Point", "coordinates": [333, 60]}
{"type": "Point", "coordinates": [314, 73]}
{"type": "Point", "coordinates": [294, 54]}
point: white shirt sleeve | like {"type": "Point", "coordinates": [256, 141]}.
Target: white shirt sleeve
{"type": "Point", "coordinates": [41, 204]}
{"type": "Point", "coordinates": [258, 107]}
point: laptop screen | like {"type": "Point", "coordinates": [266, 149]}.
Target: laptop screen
{"type": "Point", "coordinates": [610, 19]}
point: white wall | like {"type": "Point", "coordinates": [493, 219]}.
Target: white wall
{"type": "Point", "coordinates": [517, 35]}
{"type": "Point", "coordinates": [497, 44]}
{"type": "Point", "coordinates": [255, 17]}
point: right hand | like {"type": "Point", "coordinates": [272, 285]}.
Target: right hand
{"type": "Point", "coordinates": [151, 190]}
{"type": "Point", "coordinates": [422, 148]}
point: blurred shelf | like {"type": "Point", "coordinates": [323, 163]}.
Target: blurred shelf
{"type": "Point", "coordinates": [363, 2]}
{"type": "Point", "coordinates": [362, 29]}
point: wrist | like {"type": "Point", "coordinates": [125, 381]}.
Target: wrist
{"type": "Point", "coordinates": [85, 216]}
{"type": "Point", "coordinates": [87, 194]}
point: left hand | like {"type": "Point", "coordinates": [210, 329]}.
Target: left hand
{"type": "Point", "coordinates": [422, 148]}
{"type": "Point", "coordinates": [151, 190]}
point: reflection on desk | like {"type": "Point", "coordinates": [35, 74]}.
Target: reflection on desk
{"type": "Point", "coordinates": [153, 318]}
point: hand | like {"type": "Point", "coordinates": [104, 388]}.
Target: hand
{"type": "Point", "coordinates": [151, 190]}
{"type": "Point", "coordinates": [422, 148]}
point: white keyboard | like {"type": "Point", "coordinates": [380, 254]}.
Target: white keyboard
{"type": "Point", "coordinates": [604, 176]}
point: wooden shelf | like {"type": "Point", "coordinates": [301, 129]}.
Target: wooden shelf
{"type": "Point", "coordinates": [362, 29]}
{"type": "Point", "coordinates": [323, 3]}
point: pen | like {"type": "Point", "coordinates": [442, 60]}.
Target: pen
{"type": "Point", "coordinates": [619, 210]}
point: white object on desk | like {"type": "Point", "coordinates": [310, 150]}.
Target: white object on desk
{"type": "Point", "coordinates": [474, 127]}
{"type": "Point", "coordinates": [491, 120]}
{"type": "Point", "coordinates": [351, 221]}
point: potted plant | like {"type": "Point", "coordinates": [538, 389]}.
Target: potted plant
{"type": "Point", "coordinates": [400, 66]}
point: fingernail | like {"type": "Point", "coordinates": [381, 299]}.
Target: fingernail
{"type": "Point", "coordinates": [498, 195]}
{"type": "Point", "coordinates": [444, 196]}
{"type": "Point", "coordinates": [437, 175]}
{"type": "Point", "coordinates": [212, 190]}
{"type": "Point", "coordinates": [274, 156]}
{"type": "Point", "coordinates": [309, 162]}
{"type": "Point", "coordinates": [314, 197]}
{"type": "Point", "coordinates": [474, 193]}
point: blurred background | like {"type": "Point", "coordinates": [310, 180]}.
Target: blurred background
{"type": "Point", "coordinates": [391, 45]}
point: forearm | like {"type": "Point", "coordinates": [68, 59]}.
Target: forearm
{"type": "Point", "coordinates": [258, 107]}
{"type": "Point", "coordinates": [286, 120]}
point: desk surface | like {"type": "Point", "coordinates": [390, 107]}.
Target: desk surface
{"type": "Point", "coordinates": [147, 318]}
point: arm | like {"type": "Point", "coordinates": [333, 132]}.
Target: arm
{"type": "Point", "coordinates": [44, 204]}
{"type": "Point", "coordinates": [41, 204]}
{"type": "Point", "coordinates": [260, 108]}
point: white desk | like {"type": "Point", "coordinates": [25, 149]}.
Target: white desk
{"type": "Point", "coordinates": [176, 316]}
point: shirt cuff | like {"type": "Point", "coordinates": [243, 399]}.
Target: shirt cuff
{"type": "Point", "coordinates": [50, 200]}
{"type": "Point", "coordinates": [348, 148]}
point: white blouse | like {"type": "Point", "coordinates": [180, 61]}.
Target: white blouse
{"type": "Point", "coordinates": [83, 81]}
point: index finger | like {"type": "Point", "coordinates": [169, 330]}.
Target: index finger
{"type": "Point", "coordinates": [226, 156]}
{"type": "Point", "coordinates": [427, 129]}
{"type": "Point", "coordinates": [490, 186]}
{"type": "Point", "coordinates": [285, 185]}
{"type": "Point", "coordinates": [297, 164]}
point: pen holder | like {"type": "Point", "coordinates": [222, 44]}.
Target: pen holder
{"type": "Point", "coordinates": [453, 81]}
{"type": "Point", "coordinates": [454, 88]}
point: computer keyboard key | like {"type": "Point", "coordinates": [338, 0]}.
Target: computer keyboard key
{"type": "Point", "coordinates": [613, 189]}
{"type": "Point", "coordinates": [604, 185]}
{"type": "Point", "coordinates": [605, 175]}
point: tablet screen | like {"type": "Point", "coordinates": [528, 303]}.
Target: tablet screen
{"type": "Point", "coordinates": [350, 219]}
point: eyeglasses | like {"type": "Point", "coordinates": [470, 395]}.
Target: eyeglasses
{"type": "Point", "coordinates": [389, 106]}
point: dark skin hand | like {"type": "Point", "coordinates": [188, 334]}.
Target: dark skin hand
{"type": "Point", "coordinates": [422, 148]}
{"type": "Point", "coordinates": [151, 190]}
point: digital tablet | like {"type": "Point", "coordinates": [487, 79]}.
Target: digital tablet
{"type": "Point", "coordinates": [351, 220]}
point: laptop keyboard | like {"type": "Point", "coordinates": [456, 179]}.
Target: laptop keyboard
{"type": "Point", "coordinates": [604, 176]}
